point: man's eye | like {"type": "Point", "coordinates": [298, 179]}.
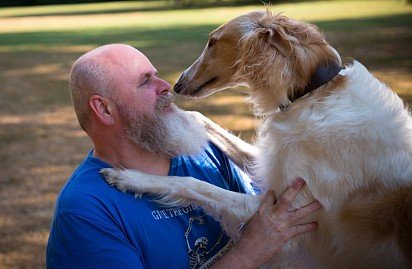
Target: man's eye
{"type": "Point", "coordinates": [144, 82]}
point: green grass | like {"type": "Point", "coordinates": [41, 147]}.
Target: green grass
{"type": "Point", "coordinates": [40, 140]}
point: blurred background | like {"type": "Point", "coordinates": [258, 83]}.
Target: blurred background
{"type": "Point", "coordinates": [40, 140]}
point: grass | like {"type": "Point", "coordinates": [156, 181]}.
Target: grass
{"type": "Point", "coordinates": [40, 141]}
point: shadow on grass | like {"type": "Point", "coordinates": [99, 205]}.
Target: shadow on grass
{"type": "Point", "coordinates": [157, 37]}
{"type": "Point", "coordinates": [353, 25]}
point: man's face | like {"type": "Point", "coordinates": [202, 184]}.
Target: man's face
{"type": "Point", "coordinates": [148, 130]}
{"type": "Point", "coordinates": [147, 113]}
{"type": "Point", "coordinates": [137, 84]}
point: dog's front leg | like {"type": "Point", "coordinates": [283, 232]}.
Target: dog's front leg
{"type": "Point", "coordinates": [231, 209]}
{"type": "Point", "coordinates": [239, 151]}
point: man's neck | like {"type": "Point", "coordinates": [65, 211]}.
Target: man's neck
{"type": "Point", "coordinates": [131, 157]}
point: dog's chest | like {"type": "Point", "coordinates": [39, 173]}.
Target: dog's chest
{"type": "Point", "coordinates": [280, 158]}
{"type": "Point", "coordinates": [311, 144]}
{"type": "Point", "coordinates": [336, 146]}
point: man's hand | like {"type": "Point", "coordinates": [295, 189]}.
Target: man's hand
{"type": "Point", "coordinates": [270, 228]}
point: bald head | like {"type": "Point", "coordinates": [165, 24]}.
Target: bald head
{"type": "Point", "coordinates": [98, 72]}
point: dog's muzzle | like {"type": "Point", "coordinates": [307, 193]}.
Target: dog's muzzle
{"type": "Point", "coordinates": [178, 88]}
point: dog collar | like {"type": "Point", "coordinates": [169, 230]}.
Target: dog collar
{"type": "Point", "coordinates": [321, 76]}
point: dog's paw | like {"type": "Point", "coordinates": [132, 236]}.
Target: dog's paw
{"type": "Point", "coordinates": [115, 177]}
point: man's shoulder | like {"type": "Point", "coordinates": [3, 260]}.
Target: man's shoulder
{"type": "Point", "coordinates": [85, 189]}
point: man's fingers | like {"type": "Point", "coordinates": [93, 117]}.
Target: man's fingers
{"type": "Point", "coordinates": [269, 199]}
{"type": "Point", "coordinates": [300, 229]}
{"type": "Point", "coordinates": [289, 194]}
{"type": "Point", "coordinates": [300, 213]}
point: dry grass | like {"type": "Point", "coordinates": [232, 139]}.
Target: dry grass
{"type": "Point", "coordinates": [40, 140]}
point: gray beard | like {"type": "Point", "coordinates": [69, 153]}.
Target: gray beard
{"type": "Point", "coordinates": [170, 134]}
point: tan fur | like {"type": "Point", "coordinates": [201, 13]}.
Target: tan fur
{"type": "Point", "coordinates": [378, 214]}
{"type": "Point", "coordinates": [289, 34]}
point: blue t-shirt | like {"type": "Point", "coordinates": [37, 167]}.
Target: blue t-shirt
{"type": "Point", "coordinates": [97, 226]}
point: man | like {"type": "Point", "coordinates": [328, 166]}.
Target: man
{"type": "Point", "coordinates": [127, 111]}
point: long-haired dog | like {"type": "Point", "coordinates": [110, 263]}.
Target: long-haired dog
{"type": "Point", "coordinates": [344, 132]}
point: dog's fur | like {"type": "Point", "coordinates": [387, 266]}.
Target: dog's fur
{"type": "Point", "coordinates": [350, 139]}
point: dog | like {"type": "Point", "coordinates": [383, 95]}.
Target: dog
{"type": "Point", "coordinates": [347, 134]}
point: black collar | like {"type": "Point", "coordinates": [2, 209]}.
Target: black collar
{"type": "Point", "coordinates": [321, 76]}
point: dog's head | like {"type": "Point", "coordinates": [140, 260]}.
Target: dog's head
{"type": "Point", "coordinates": [273, 55]}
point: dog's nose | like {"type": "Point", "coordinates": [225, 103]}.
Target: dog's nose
{"type": "Point", "coordinates": [178, 88]}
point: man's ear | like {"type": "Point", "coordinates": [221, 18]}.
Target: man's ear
{"type": "Point", "coordinates": [102, 109]}
{"type": "Point", "coordinates": [276, 37]}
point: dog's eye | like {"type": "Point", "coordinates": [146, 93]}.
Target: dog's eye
{"type": "Point", "coordinates": [211, 43]}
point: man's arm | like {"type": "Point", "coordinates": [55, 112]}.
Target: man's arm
{"type": "Point", "coordinates": [270, 228]}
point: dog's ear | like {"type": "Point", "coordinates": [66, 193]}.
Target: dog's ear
{"type": "Point", "coordinates": [276, 37]}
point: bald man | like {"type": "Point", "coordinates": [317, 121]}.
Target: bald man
{"type": "Point", "coordinates": [128, 112]}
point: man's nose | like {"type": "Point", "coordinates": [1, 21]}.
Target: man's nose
{"type": "Point", "coordinates": [163, 87]}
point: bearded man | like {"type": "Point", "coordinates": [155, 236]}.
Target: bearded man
{"type": "Point", "coordinates": [128, 112]}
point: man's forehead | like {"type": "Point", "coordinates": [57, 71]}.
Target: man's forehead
{"type": "Point", "coordinates": [130, 61]}
{"type": "Point", "coordinates": [143, 68]}
{"type": "Point", "coordinates": [119, 54]}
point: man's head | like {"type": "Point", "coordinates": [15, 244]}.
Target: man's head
{"type": "Point", "coordinates": [116, 89]}
{"type": "Point", "coordinates": [113, 72]}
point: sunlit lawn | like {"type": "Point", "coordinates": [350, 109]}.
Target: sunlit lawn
{"type": "Point", "coordinates": [40, 141]}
